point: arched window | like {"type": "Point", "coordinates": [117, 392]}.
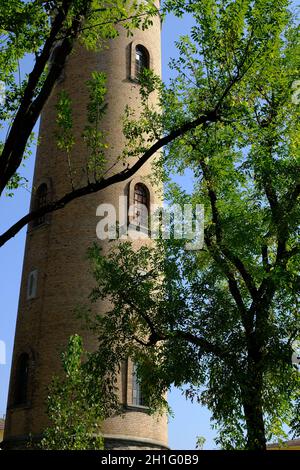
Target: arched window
{"type": "Point", "coordinates": [141, 60]}
{"type": "Point", "coordinates": [141, 205]}
{"type": "Point", "coordinates": [22, 376]}
{"type": "Point", "coordinates": [137, 396]}
{"type": "Point", "coordinates": [40, 202]}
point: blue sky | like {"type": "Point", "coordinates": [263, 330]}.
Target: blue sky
{"type": "Point", "coordinates": [190, 420]}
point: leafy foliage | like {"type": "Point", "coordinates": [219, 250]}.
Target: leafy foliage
{"type": "Point", "coordinates": [93, 135]}
{"type": "Point", "coordinates": [75, 417]}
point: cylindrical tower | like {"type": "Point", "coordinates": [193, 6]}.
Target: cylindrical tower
{"type": "Point", "coordinates": [56, 274]}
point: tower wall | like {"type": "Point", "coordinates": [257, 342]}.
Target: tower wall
{"type": "Point", "coordinates": [57, 249]}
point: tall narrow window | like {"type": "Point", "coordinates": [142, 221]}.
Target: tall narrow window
{"type": "Point", "coordinates": [22, 376]}
{"type": "Point", "coordinates": [141, 60]}
{"type": "Point", "coordinates": [40, 202]}
{"type": "Point", "coordinates": [137, 396]}
{"type": "Point", "coordinates": [141, 205]}
{"type": "Point", "coordinates": [32, 284]}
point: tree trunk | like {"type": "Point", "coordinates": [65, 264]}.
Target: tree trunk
{"type": "Point", "coordinates": [252, 404]}
{"type": "Point", "coordinates": [256, 439]}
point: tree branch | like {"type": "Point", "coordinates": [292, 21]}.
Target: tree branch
{"type": "Point", "coordinates": [30, 109]}
{"type": "Point", "coordinates": [232, 282]}
{"type": "Point", "coordinates": [234, 259]}
{"type": "Point", "coordinates": [209, 116]}
{"type": "Point", "coordinates": [206, 346]}
{"type": "Point", "coordinates": [157, 336]}
{"type": "Point", "coordinates": [265, 257]}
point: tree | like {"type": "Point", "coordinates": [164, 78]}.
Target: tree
{"type": "Point", "coordinates": [75, 416]}
{"type": "Point", "coordinates": [220, 321]}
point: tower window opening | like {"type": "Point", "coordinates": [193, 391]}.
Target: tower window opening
{"type": "Point", "coordinates": [137, 396]}
{"type": "Point", "coordinates": [141, 60]}
{"type": "Point", "coordinates": [32, 285]}
{"type": "Point", "coordinates": [22, 379]}
{"type": "Point", "coordinates": [41, 201]}
{"type": "Point", "coordinates": [141, 205]}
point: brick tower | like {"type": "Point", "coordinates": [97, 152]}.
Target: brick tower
{"type": "Point", "coordinates": [56, 274]}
